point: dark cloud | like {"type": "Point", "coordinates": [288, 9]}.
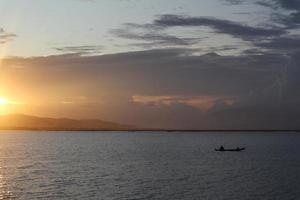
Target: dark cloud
{"type": "Point", "coordinates": [87, 49]}
{"type": "Point", "coordinates": [151, 36]}
{"type": "Point", "coordinates": [286, 12]}
{"type": "Point", "coordinates": [157, 34]}
{"type": "Point", "coordinates": [275, 4]}
{"type": "Point", "coordinates": [219, 25]}
{"type": "Point", "coordinates": [6, 37]}
{"type": "Point", "coordinates": [224, 48]}
{"type": "Point", "coordinates": [288, 4]}
{"type": "Point", "coordinates": [282, 44]}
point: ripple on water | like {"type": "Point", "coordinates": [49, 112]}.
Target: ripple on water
{"type": "Point", "coordinates": [148, 166]}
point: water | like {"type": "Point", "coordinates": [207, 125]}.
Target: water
{"type": "Point", "coordinates": [124, 165]}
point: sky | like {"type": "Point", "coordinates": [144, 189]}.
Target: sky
{"type": "Point", "coordinates": [182, 64]}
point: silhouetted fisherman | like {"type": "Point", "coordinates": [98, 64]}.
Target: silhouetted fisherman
{"type": "Point", "coordinates": [222, 148]}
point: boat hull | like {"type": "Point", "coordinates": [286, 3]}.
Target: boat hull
{"type": "Point", "coordinates": [234, 150]}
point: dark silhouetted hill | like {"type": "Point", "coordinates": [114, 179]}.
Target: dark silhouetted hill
{"type": "Point", "coordinates": [25, 122]}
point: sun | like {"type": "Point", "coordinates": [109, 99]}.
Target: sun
{"type": "Point", "coordinates": [3, 101]}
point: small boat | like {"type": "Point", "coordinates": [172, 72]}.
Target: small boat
{"type": "Point", "coordinates": [236, 149]}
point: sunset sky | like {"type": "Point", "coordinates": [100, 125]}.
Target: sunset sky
{"type": "Point", "coordinates": [188, 64]}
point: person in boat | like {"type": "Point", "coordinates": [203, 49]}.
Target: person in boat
{"type": "Point", "coordinates": [238, 149]}
{"type": "Point", "coordinates": [222, 148]}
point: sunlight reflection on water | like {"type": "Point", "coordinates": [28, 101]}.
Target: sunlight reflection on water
{"type": "Point", "coordinates": [5, 193]}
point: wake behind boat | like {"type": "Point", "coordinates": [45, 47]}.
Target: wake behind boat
{"type": "Point", "coordinates": [238, 149]}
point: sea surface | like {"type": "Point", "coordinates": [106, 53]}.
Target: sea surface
{"type": "Point", "coordinates": [149, 165]}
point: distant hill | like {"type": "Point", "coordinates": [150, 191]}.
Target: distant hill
{"type": "Point", "coordinates": [26, 122]}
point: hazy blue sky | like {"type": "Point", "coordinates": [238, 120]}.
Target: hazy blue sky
{"type": "Point", "coordinates": [153, 63]}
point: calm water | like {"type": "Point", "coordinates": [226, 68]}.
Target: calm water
{"type": "Point", "coordinates": [121, 165]}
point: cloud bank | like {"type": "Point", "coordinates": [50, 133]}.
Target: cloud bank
{"type": "Point", "coordinates": [169, 88]}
